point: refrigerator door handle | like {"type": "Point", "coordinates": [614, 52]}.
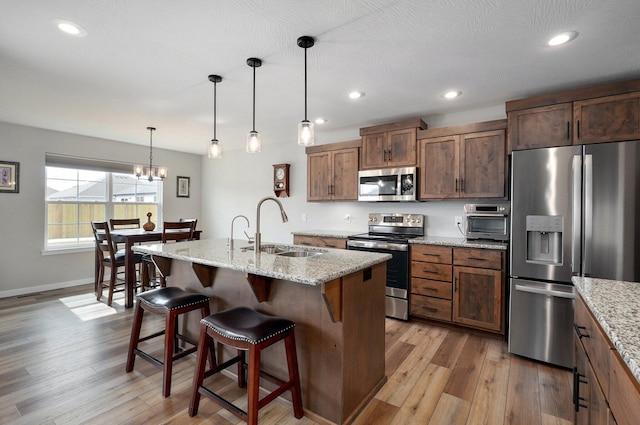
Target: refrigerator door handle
{"type": "Point", "coordinates": [540, 291]}
{"type": "Point", "coordinates": [576, 203]}
{"type": "Point", "coordinates": [588, 215]}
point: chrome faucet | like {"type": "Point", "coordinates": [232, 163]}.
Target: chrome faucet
{"type": "Point", "coordinates": [258, 240]}
{"type": "Point", "coordinates": [231, 235]}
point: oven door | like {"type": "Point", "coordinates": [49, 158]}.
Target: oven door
{"type": "Point", "coordinates": [397, 286]}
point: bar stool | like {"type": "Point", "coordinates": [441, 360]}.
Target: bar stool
{"type": "Point", "coordinates": [246, 330]}
{"type": "Point", "coordinates": [171, 302]}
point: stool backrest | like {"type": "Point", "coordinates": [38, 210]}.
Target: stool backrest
{"type": "Point", "coordinates": [124, 223]}
{"type": "Point", "coordinates": [195, 222]}
{"type": "Point", "coordinates": [178, 230]}
{"type": "Point", "coordinates": [102, 235]}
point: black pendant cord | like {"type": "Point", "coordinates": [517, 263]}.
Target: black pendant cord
{"type": "Point", "coordinates": [254, 99]}
{"type": "Point", "coordinates": [305, 84]}
{"type": "Point", "coordinates": [214, 110]}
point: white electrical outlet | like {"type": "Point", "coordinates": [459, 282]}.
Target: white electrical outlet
{"type": "Point", "coordinates": [458, 221]}
{"type": "Point", "coordinates": [304, 217]}
{"type": "Point", "coordinates": [347, 218]}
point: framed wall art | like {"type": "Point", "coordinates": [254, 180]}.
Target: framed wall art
{"type": "Point", "coordinates": [9, 177]}
{"type": "Point", "coordinates": [183, 186]}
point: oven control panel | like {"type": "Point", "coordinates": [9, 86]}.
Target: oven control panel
{"type": "Point", "coordinates": [396, 220]}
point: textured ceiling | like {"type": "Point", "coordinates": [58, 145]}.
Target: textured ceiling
{"type": "Point", "coordinates": [146, 62]}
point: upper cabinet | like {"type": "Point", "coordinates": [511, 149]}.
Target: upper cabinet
{"type": "Point", "coordinates": [606, 113]}
{"type": "Point", "coordinates": [467, 161]}
{"type": "Point", "coordinates": [390, 145]}
{"type": "Point", "coordinates": [332, 171]}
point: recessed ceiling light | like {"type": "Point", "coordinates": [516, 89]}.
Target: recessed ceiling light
{"type": "Point", "coordinates": [563, 38]}
{"type": "Point", "coordinates": [356, 94]}
{"type": "Point", "coordinates": [452, 94]}
{"type": "Point", "coordinates": [70, 28]}
{"type": "Point", "coordinates": [320, 120]}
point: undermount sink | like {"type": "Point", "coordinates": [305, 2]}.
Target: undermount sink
{"type": "Point", "coordinates": [287, 251]}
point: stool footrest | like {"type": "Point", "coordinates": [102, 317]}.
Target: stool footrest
{"type": "Point", "coordinates": [148, 337]}
{"type": "Point", "coordinates": [224, 403]}
{"type": "Point", "coordinates": [222, 366]}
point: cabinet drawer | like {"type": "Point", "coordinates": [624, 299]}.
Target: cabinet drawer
{"type": "Point", "coordinates": [433, 271]}
{"type": "Point", "coordinates": [431, 288]}
{"type": "Point", "coordinates": [624, 392]}
{"type": "Point", "coordinates": [474, 257]}
{"type": "Point", "coordinates": [428, 307]}
{"type": "Point", "coordinates": [433, 254]}
{"type": "Point", "coordinates": [320, 241]}
{"type": "Point", "coordinates": [594, 341]}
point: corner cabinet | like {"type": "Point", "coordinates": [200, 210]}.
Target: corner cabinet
{"type": "Point", "coordinates": [465, 286]}
{"type": "Point", "coordinates": [332, 171]}
{"type": "Point", "coordinates": [390, 145]}
{"type": "Point", "coordinates": [467, 161]}
{"type": "Point", "coordinates": [606, 113]}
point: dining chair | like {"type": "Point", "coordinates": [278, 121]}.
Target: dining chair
{"type": "Point", "coordinates": [124, 223]}
{"type": "Point", "coordinates": [109, 256]}
{"type": "Point", "coordinates": [172, 231]}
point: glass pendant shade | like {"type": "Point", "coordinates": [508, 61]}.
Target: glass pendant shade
{"type": "Point", "coordinates": [215, 150]}
{"type": "Point", "coordinates": [254, 142]}
{"type": "Point", "coordinates": [305, 133]}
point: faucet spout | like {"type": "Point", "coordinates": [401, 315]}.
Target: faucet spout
{"type": "Point", "coordinates": [231, 235]}
{"type": "Point", "coordinates": [283, 214]}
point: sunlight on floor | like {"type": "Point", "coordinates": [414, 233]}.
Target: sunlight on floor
{"type": "Point", "coordinates": [86, 308]}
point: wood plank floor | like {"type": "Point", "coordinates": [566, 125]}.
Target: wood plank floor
{"type": "Point", "coordinates": [62, 359]}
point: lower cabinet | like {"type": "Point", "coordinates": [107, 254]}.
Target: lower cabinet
{"type": "Point", "coordinates": [604, 391]}
{"type": "Point", "coordinates": [465, 286]}
{"type": "Point", "coordinates": [320, 241]}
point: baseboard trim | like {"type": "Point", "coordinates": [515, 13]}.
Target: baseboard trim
{"type": "Point", "coordinates": [48, 287]}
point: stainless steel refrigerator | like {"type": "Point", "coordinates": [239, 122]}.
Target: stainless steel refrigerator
{"type": "Point", "coordinates": [574, 212]}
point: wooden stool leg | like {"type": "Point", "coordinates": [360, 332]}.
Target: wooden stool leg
{"type": "Point", "coordinates": [112, 283]}
{"type": "Point", "coordinates": [253, 389]}
{"type": "Point", "coordinates": [294, 376]}
{"type": "Point", "coordinates": [169, 347]}
{"type": "Point", "coordinates": [135, 336]}
{"type": "Point", "coordinates": [204, 344]}
{"type": "Point", "coordinates": [242, 378]}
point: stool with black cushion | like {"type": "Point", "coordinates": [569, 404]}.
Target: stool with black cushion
{"type": "Point", "coordinates": [171, 302]}
{"type": "Point", "coordinates": [245, 329]}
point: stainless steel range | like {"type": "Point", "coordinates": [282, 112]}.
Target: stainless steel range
{"type": "Point", "coordinates": [389, 233]}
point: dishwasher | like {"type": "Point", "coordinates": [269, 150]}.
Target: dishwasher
{"type": "Point", "coordinates": [541, 317]}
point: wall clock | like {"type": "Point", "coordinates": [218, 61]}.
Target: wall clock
{"type": "Point", "coordinates": [281, 180]}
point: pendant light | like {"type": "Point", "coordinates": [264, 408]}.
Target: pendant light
{"type": "Point", "coordinates": [254, 142]}
{"type": "Point", "coordinates": [214, 151]}
{"type": "Point", "coordinates": [305, 128]}
{"type": "Point", "coordinates": [151, 173]}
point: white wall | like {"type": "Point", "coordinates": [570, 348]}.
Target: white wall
{"type": "Point", "coordinates": [234, 184]}
{"type": "Point", "coordinates": [23, 267]}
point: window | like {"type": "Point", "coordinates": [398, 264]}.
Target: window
{"type": "Point", "coordinates": [76, 196]}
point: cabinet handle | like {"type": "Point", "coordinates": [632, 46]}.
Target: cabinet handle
{"type": "Point", "coordinates": [568, 130]}
{"type": "Point", "coordinates": [426, 288]}
{"type": "Point", "coordinates": [456, 185]}
{"type": "Point", "coordinates": [455, 288]}
{"type": "Point", "coordinates": [475, 259]}
{"type": "Point", "coordinates": [384, 155]}
{"type": "Point", "coordinates": [577, 380]}
{"type": "Point", "coordinates": [578, 130]}
{"type": "Point", "coordinates": [390, 154]}
{"type": "Point", "coordinates": [431, 309]}
{"type": "Point", "coordinates": [461, 185]}
{"type": "Point", "coordinates": [579, 333]}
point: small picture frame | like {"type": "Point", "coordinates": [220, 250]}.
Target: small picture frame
{"type": "Point", "coordinates": [9, 177]}
{"type": "Point", "coordinates": [182, 186]}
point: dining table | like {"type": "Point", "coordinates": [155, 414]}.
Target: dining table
{"type": "Point", "coordinates": [130, 237]}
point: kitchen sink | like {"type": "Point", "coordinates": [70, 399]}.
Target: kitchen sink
{"type": "Point", "coordinates": [300, 253]}
{"type": "Point", "coordinates": [287, 251]}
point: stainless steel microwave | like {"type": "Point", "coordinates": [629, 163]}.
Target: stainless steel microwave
{"type": "Point", "coordinates": [388, 184]}
{"type": "Point", "coordinates": [489, 222]}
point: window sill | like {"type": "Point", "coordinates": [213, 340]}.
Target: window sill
{"type": "Point", "coordinates": [74, 250]}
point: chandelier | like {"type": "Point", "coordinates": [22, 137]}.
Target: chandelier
{"type": "Point", "coordinates": [150, 173]}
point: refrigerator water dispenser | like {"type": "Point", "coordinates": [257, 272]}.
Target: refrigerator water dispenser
{"type": "Point", "coordinates": [544, 239]}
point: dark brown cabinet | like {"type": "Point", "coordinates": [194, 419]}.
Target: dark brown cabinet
{"type": "Point", "coordinates": [320, 241]}
{"type": "Point", "coordinates": [465, 286]}
{"type": "Point", "coordinates": [468, 165]}
{"type": "Point", "coordinates": [607, 113]}
{"type": "Point", "coordinates": [332, 172]}
{"type": "Point", "coordinates": [390, 145]}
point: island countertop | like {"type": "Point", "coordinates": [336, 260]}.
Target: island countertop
{"type": "Point", "coordinates": [314, 270]}
{"type": "Point", "coordinates": [615, 306]}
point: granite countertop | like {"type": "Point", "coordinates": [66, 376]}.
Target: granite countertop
{"type": "Point", "coordinates": [327, 233]}
{"type": "Point", "coordinates": [458, 242]}
{"type": "Point", "coordinates": [616, 306]}
{"type": "Point", "coordinates": [315, 270]}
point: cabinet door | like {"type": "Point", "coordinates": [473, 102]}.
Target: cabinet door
{"type": "Point", "coordinates": [542, 127]}
{"type": "Point", "coordinates": [438, 168]}
{"type": "Point", "coordinates": [320, 241]}
{"type": "Point", "coordinates": [607, 119]}
{"type": "Point", "coordinates": [401, 148]}
{"type": "Point", "coordinates": [477, 297]}
{"type": "Point", "coordinates": [624, 392]}
{"type": "Point", "coordinates": [319, 176]}
{"type": "Point", "coordinates": [345, 175]}
{"type": "Point", "coordinates": [374, 151]}
{"type": "Point", "coordinates": [482, 165]}
{"type": "Point", "coordinates": [580, 383]}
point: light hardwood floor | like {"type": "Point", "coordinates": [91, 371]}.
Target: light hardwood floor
{"type": "Point", "coordinates": [62, 359]}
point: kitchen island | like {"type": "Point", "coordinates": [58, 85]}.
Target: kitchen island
{"type": "Point", "coordinates": [336, 298]}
